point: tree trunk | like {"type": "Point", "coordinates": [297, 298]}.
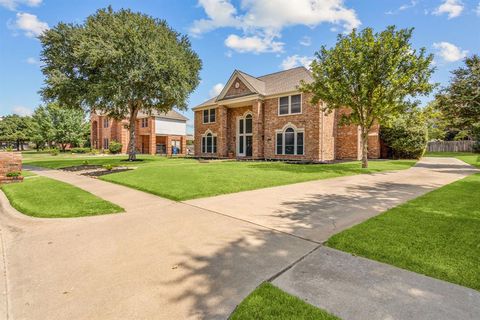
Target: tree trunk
{"type": "Point", "coordinates": [18, 145]}
{"type": "Point", "coordinates": [132, 156]}
{"type": "Point", "coordinates": [364, 137]}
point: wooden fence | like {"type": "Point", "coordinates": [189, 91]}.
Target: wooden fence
{"type": "Point", "coordinates": [451, 146]}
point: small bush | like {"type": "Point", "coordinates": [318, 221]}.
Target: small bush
{"type": "Point", "coordinates": [85, 162]}
{"type": "Point", "coordinates": [9, 149]}
{"type": "Point", "coordinates": [115, 147]}
{"type": "Point", "coordinates": [109, 166]}
{"type": "Point", "coordinates": [106, 151]}
{"type": "Point", "coordinates": [54, 152]}
{"type": "Point", "coordinates": [94, 151]}
{"type": "Point", "coordinates": [14, 174]}
{"type": "Point", "coordinates": [407, 136]}
{"type": "Point", "coordinates": [80, 150]}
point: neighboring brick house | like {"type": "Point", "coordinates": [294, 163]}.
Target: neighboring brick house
{"type": "Point", "coordinates": [158, 133]}
{"type": "Point", "coordinates": [267, 117]}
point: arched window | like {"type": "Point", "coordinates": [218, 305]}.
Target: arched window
{"type": "Point", "coordinates": [289, 141]}
{"type": "Point", "coordinates": [209, 143]}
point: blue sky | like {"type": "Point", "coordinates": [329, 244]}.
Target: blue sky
{"type": "Point", "coordinates": [255, 36]}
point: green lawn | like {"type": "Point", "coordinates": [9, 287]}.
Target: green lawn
{"type": "Point", "coordinates": [269, 302]}
{"type": "Point", "coordinates": [468, 157]}
{"type": "Point", "coordinates": [189, 179]}
{"type": "Point", "coordinates": [437, 234]}
{"type": "Point", "coordinates": [48, 198]}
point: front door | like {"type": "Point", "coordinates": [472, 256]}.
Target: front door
{"type": "Point", "coordinates": [244, 136]}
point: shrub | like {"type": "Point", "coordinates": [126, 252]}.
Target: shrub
{"type": "Point", "coordinates": [115, 147]}
{"type": "Point", "coordinates": [9, 149]}
{"type": "Point", "coordinates": [14, 174]}
{"type": "Point", "coordinates": [407, 136]}
{"type": "Point", "coordinates": [54, 152]}
{"type": "Point", "coordinates": [94, 151]}
{"type": "Point", "coordinates": [80, 150]}
{"type": "Point", "coordinates": [109, 166]}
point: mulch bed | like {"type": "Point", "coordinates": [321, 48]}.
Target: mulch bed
{"type": "Point", "coordinates": [81, 167]}
{"type": "Point", "coordinates": [99, 173]}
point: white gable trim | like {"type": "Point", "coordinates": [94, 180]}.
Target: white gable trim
{"type": "Point", "coordinates": [235, 75]}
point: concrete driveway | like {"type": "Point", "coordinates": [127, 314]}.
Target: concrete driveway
{"type": "Point", "coordinates": [196, 260]}
{"type": "Point", "coordinates": [318, 209]}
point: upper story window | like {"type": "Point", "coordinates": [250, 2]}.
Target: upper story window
{"type": "Point", "coordinates": [290, 104]}
{"type": "Point", "coordinates": [106, 122]}
{"type": "Point", "coordinates": [144, 122]}
{"type": "Point", "coordinates": [209, 115]}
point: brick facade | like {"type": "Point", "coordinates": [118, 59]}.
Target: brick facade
{"type": "Point", "coordinates": [324, 138]}
{"type": "Point", "coordinates": [146, 138]}
{"type": "Point", "coordinates": [9, 162]}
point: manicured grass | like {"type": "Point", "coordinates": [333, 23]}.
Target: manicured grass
{"type": "Point", "coordinates": [188, 179]}
{"type": "Point", "coordinates": [437, 234]}
{"type": "Point", "coordinates": [468, 157]}
{"type": "Point", "coordinates": [48, 198]}
{"type": "Point", "coordinates": [269, 302]}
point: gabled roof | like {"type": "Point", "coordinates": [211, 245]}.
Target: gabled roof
{"type": "Point", "coordinates": [266, 85]}
{"type": "Point", "coordinates": [172, 114]}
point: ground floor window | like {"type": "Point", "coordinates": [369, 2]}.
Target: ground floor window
{"type": "Point", "coordinates": [289, 141]}
{"type": "Point", "coordinates": [105, 143]}
{"type": "Point", "coordinates": [209, 143]}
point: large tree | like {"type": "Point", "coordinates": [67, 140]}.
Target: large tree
{"type": "Point", "coordinates": [375, 75]}
{"type": "Point", "coordinates": [460, 100]}
{"type": "Point", "coordinates": [119, 63]}
{"type": "Point", "coordinates": [14, 129]}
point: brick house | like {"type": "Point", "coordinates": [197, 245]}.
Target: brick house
{"type": "Point", "coordinates": [157, 133]}
{"type": "Point", "coordinates": [267, 117]}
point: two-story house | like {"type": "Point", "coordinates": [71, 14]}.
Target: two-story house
{"type": "Point", "coordinates": [267, 117]}
{"type": "Point", "coordinates": [157, 133]}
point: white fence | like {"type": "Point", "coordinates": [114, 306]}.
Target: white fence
{"type": "Point", "coordinates": [451, 146]}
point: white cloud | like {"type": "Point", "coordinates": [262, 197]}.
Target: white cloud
{"type": "Point", "coordinates": [22, 111]}
{"type": "Point", "coordinates": [30, 24]}
{"type": "Point", "coordinates": [403, 7]}
{"type": "Point", "coordinates": [13, 4]}
{"type": "Point", "coordinates": [453, 8]}
{"type": "Point", "coordinates": [32, 60]}
{"type": "Point", "coordinates": [296, 60]}
{"type": "Point", "coordinates": [216, 89]}
{"type": "Point", "coordinates": [306, 41]}
{"type": "Point", "coordinates": [253, 44]}
{"type": "Point", "coordinates": [450, 52]}
{"type": "Point", "coordinates": [478, 9]}
{"type": "Point", "coordinates": [262, 21]}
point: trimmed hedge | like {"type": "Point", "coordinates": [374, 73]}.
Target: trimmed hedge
{"type": "Point", "coordinates": [407, 136]}
{"type": "Point", "coordinates": [80, 150]}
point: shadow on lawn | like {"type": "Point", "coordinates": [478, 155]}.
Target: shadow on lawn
{"type": "Point", "coordinates": [260, 254]}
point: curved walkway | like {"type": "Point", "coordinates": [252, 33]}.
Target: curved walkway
{"type": "Point", "coordinates": [168, 260]}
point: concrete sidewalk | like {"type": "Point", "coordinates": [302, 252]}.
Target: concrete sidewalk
{"type": "Point", "coordinates": [356, 288]}
{"type": "Point", "coordinates": [318, 209]}
{"type": "Point", "coordinates": [158, 260]}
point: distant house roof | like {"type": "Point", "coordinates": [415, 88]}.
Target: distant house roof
{"type": "Point", "coordinates": [269, 84]}
{"type": "Point", "coordinates": [172, 114]}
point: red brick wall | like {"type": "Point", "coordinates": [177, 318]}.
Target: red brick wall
{"type": "Point", "coordinates": [9, 162]}
{"type": "Point", "coordinates": [201, 128]}
{"type": "Point", "coordinates": [309, 120]}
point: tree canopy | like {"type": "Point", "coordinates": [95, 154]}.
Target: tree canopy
{"type": "Point", "coordinates": [460, 100]}
{"type": "Point", "coordinates": [14, 129]}
{"type": "Point", "coordinates": [375, 75]}
{"type": "Point", "coordinates": [119, 63]}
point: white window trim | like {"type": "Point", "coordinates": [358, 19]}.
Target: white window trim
{"type": "Point", "coordinates": [205, 136]}
{"type": "Point", "coordinates": [290, 105]}
{"type": "Point", "coordinates": [209, 111]}
{"type": "Point", "coordinates": [295, 132]}
{"type": "Point", "coordinates": [243, 135]}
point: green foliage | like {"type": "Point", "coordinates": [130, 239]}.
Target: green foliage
{"type": "Point", "coordinates": [80, 150]}
{"type": "Point", "coordinates": [109, 166]}
{"type": "Point", "coordinates": [54, 152]}
{"type": "Point", "coordinates": [15, 130]}
{"type": "Point", "coordinates": [14, 174]}
{"type": "Point", "coordinates": [407, 135]}
{"type": "Point", "coordinates": [460, 100]}
{"type": "Point", "coordinates": [436, 121]}
{"type": "Point", "coordinates": [120, 63]}
{"type": "Point", "coordinates": [375, 75]}
{"type": "Point", "coordinates": [115, 147]}
{"type": "Point", "coordinates": [476, 137]}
